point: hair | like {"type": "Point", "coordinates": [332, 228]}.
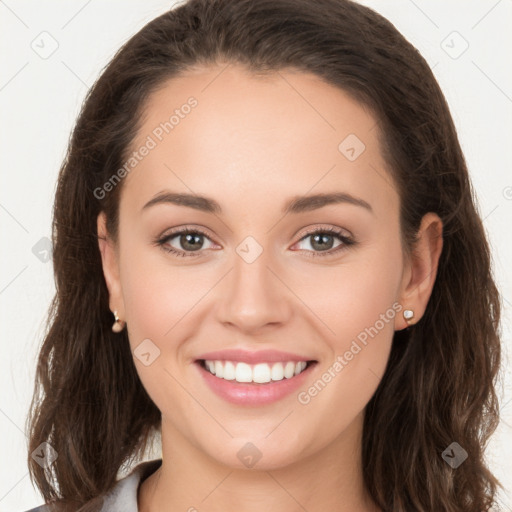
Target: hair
{"type": "Point", "coordinates": [439, 384]}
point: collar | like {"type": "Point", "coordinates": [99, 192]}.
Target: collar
{"type": "Point", "coordinates": [123, 496]}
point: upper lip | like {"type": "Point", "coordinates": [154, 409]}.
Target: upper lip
{"type": "Point", "coordinates": [261, 356]}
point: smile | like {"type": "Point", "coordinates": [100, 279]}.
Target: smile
{"type": "Point", "coordinates": [259, 373]}
{"type": "Point", "coordinates": [254, 384]}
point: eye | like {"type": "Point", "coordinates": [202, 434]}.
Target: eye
{"type": "Point", "coordinates": [188, 241]}
{"type": "Point", "coordinates": [322, 241]}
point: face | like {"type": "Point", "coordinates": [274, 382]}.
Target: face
{"type": "Point", "coordinates": [259, 265]}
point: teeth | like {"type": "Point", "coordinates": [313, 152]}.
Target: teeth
{"type": "Point", "coordinates": [243, 372]}
{"type": "Point", "coordinates": [260, 373]}
{"type": "Point", "coordinates": [229, 371]}
{"type": "Point", "coordinates": [289, 370]}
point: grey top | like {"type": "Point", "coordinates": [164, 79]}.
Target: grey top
{"type": "Point", "coordinates": [123, 496]}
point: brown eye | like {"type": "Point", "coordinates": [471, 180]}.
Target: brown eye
{"type": "Point", "coordinates": [323, 241]}
{"type": "Point", "coordinates": [184, 242]}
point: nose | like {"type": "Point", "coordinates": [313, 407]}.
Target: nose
{"type": "Point", "coordinates": [254, 295]}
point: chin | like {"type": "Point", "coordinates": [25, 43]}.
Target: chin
{"type": "Point", "coordinates": [258, 454]}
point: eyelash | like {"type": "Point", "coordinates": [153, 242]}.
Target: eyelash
{"type": "Point", "coordinates": [347, 241]}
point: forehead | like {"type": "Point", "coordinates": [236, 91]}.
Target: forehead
{"type": "Point", "coordinates": [224, 129]}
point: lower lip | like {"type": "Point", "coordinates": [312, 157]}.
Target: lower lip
{"type": "Point", "coordinates": [252, 393]}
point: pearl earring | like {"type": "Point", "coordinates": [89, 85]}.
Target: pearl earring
{"type": "Point", "coordinates": [118, 325]}
{"type": "Point", "coordinates": [408, 315]}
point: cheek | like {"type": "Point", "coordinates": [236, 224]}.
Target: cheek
{"type": "Point", "coordinates": [159, 301]}
{"type": "Point", "coordinates": [355, 296]}
{"type": "Point", "coordinates": [360, 310]}
{"type": "Point", "coordinates": [163, 301]}
{"type": "Point", "coordinates": [150, 291]}
{"type": "Point", "coordinates": [144, 298]}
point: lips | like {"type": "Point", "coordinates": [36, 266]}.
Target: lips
{"type": "Point", "coordinates": [254, 357]}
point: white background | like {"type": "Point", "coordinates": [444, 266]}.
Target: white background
{"type": "Point", "coordinates": [40, 99]}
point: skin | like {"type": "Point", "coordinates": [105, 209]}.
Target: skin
{"type": "Point", "coordinates": [251, 144]}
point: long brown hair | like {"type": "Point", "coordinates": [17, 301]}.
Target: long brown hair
{"type": "Point", "coordinates": [439, 385]}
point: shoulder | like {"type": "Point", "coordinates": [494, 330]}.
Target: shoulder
{"type": "Point", "coordinates": [123, 496]}
{"type": "Point", "coordinates": [41, 508]}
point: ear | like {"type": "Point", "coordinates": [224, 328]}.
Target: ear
{"type": "Point", "coordinates": [421, 270]}
{"type": "Point", "coordinates": [110, 262]}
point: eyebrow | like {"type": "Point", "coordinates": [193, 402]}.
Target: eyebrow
{"type": "Point", "coordinates": [298, 204]}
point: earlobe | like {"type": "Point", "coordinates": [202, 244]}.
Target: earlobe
{"type": "Point", "coordinates": [421, 274]}
{"type": "Point", "coordinates": [110, 265]}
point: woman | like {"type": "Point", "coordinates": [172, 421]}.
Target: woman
{"type": "Point", "coordinates": [266, 249]}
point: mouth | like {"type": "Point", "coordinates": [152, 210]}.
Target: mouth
{"type": "Point", "coordinates": [254, 385]}
{"type": "Point", "coordinates": [264, 373]}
